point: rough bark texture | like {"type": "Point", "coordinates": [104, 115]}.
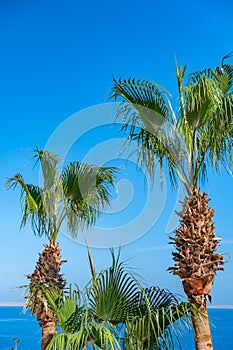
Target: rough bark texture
{"type": "Point", "coordinates": [196, 260]}
{"type": "Point", "coordinates": [202, 333]}
{"type": "Point", "coordinates": [47, 274]}
{"type": "Point", "coordinates": [48, 331]}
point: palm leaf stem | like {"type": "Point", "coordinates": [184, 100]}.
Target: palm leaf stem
{"type": "Point", "coordinates": [180, 75]}
{"type": "Point", "coordinates": [58, 225]}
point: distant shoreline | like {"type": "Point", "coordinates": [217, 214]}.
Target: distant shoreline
{"type": "Point", "coordinates": [11, 303]}
{"type": "Point", "coordinates": [220, 307]}
{"type": "Point", "coordinates": [15, 303]}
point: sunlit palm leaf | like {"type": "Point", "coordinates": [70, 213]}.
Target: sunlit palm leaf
{"type": "Point", "coordinates": [147, 117]}
{"type": "Point", "coordinates": [32, 204]}
{"type": "Point", "coordinates": [79, 194]}
{"type": "Point", "coordinates": [48, 162]}
{"type": "Point", "coordinates": [203, 123]}
{"type": "Point", "coordinates": [95, 336]}
{"type": "Point", "coordinates": [111, 296]}
{"type": "Point", "coordinates": [86, 192]}
{"type": "Point", "coordinates": [116, 311]}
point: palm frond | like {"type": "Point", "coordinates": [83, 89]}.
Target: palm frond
{"type": "Point", "coordinates": [31, 203]}
{"type": "Point", "coordinates": [115, 311]}
{"type": "Point", "coordinates": [48, 162]}
{"type": "Point", "coordinates": [79, 194]}
{"type": "Point", "coordinates": [148, 120]}
{"type": "Point", "coordinates": [86, 192]}
{"type": "Point", "coordinates": [202, 101]}
{"type": "Point", "coordinates": [66, 306]}
{"type": "Point", "coordinates": [146, 96]}
{"type": "Point", "coordinates": [93, 335]}
{"type": "Point", "coordinates": [159, 309]}
{"type": "Point", "coordinates": [147, 104]}
{"type": "Point", "coordinates": [183, 145]}
{"type": "Point", "coordinates": [111, 295]}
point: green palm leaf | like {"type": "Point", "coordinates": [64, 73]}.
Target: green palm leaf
{"type": "Point", "coordinates": [115, 311]}
{"type": "Point", "coordinates": [149, 122]}
{"type": "Point", "coordinates": [32, 204]}
{"type": "Point", "coordinates": [111, 296]}
{"type": "Point", "coordinates": [48, 162]}
{"type": "Point", "coordinates": [86, 192]}
{"type": "Point", "coordinates": [79, 194]}
{"type": "Point", "coordinates": [199, 135]}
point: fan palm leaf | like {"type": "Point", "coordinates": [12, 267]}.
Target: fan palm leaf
{"type": "Point", "coordinates": [32, 204]}
{"type": "Point", "coordinates": [149, 123]}
{"type": "Point", "coordinates": [115, 311]}
{"type": "Point", "coordinates": [86, 192]}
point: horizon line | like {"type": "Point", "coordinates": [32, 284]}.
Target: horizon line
{"type": "Point", "coordinates": [18, 303]}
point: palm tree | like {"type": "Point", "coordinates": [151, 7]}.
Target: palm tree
{"type": "Point", "coordinates": [115, 312]}
{"type": "Point", "coordinates": [16, 341]}
{"type": "Point", "coordinates": [185, 140]}
{"type": "Point", "coordinates": [77, 194]}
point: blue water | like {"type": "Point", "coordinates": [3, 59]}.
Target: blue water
{"type": "Point", "coordinates": [15, 324]}
{"type": "Point", "coordinates": [221, 329]}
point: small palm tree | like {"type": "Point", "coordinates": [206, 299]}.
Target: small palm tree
{"type": "Point", "coordinates": [184, 140]}
{"type": "Point", "coordinates": [16, 341]}
{"type": "Point", "coordinates": [115, 312]}
{"type": "Point", "coordinates": [77, 194]}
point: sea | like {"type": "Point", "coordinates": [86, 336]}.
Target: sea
{"type": "Point", "coordinates": [15, 323]}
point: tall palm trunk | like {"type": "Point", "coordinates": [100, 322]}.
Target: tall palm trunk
{"type": "Point", "coordinates": [46, 273]}
{"type": "Point", "coordinates": [196, 261]}
{"type": "Point", "coordinates": [48, 327]}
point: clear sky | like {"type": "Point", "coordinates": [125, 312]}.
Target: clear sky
{"type": "Point", "coordinates": [58, 58]}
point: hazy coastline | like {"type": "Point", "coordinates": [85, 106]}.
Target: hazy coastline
{"type": "Point", "coordinates": [11, 303]}
{"type": "Point", "coordinates": [15, 303]}
{"type": "Point", "coordinates": [220, 306]}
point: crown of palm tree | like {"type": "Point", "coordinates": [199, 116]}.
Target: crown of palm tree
{"type": "Point", "coordinates": [78, 194]}
{"type": "Point", "coordinates": [183, 137]}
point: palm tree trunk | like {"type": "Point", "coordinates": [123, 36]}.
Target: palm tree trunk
{"type": "Point", "coordinates": [46, 274]}
{"type": "Point", "coordinates": [202, 335]}
{"type": "Point", "coordinates": [48, 331]}
{"type": "Point", "coordinates": [196, 261]}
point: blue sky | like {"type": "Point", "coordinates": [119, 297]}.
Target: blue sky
{"type": "Point", "coordinates": [58, 58]}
